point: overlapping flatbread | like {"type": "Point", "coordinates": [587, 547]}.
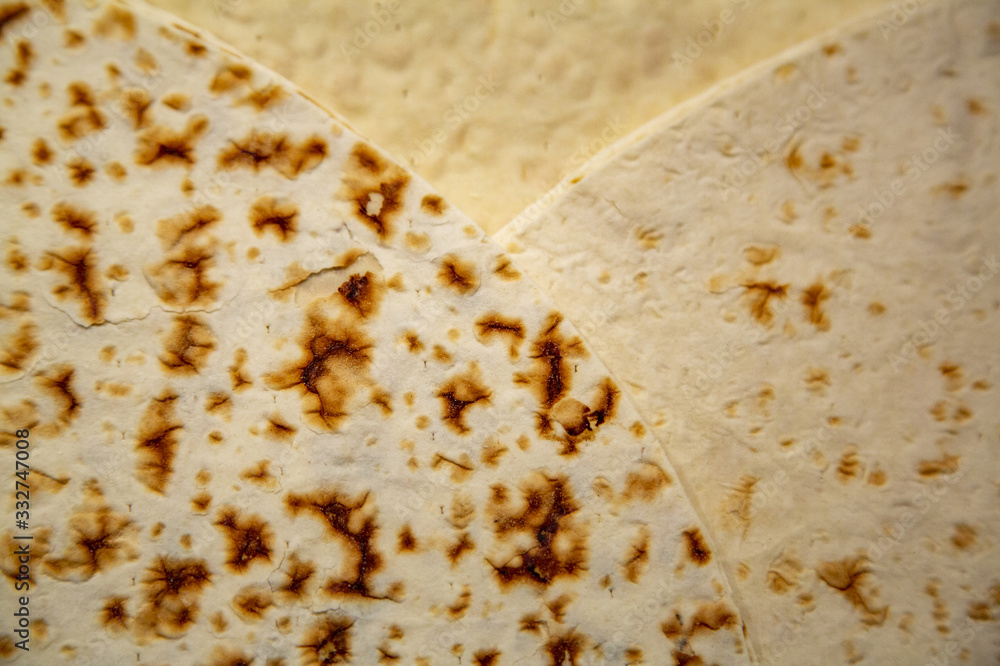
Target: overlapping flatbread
{"type": "Point", "coordinates": [795, 278]}
{"type": "Point", "coordinates": [282, 404]}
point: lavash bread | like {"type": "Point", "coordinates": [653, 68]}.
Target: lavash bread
{"type": "Point", "coordinates": [493, 102]}
{"type": "Point", "coordinates": [286, 405]}
{"type": "Point", "coordinates": [795, 278]}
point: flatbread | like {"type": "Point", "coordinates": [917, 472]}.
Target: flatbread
{"type": "Point", "coordinates": [494, 102]}
{"type": "Point", "coordinates": [795, 278]}
{"type": "Point", "coordinates": [283, 404]}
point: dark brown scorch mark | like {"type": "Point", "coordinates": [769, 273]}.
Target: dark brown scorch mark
{"type": "Point", "coordinates": [333, 365]}
{"type": "Point", "coordinates": [98, 542]}
{"type": "Point", "coordinates": [350, 521]}
{"type": "Point", "coordinates": [172, 588]}
{"type": "Point", "coordinates": [57, 382]}
{"type": "Point", "coordinates": [432, 204]}
{"type": "Point", "coordinates": [24, 55]}
{"type": "Point", "coordinates": [187, 346]}
{"type": "Point", "coordinates": [565, 649]}
{"type": "Point", "coordinates": [278, 217]}
{"type": "Point", "coordinates": [83, 117]}
{"type": "Point", "coordinates": [157, 441]}
{"type": "Point", "coordinates": [547, 514]}
{"type": "Point", "coordinates": [187, 227]}
{"type": "Point", "coordinates": [79, 221]}
{"type": "Point", "coordinates": [18, 348]}
{"type": "Point", "coordinates": [812, 301]}
{"type": "Point", "coordinates": [848, 576]}
{"type": "Point", "coordinates": [761, 294]}
{"type": "Point", "coordinates": [494, 325]}
{"type": "Point", "coordinates": [296, 574]}
{"type": "Point", "coordinates": [362, 293]}
{"type": "Point", "coordinates": [328, 641]}
{"type": "Point", "coordinates": [182, 278]}
{"type": "Point", "coordinates": [114, 614]}
{"type": "Point", "coordinates": [10, 13]}
{"type": "Point", "coordinates": [135, 102]}
{"type": "Point", "coordinates": [458, 274]}
{"type": "Point", "coordinates": [249, 539]}
{"type": "Point", "coordinates": [695, 547]}
{"type": "Point", "coordinates": [162, 146]}
{"type": "Point", "coordinates": [259, 149]}
{"type": "Point", "coordinates": [79, 266]}
{"type": "Point", "coordinates": [551, 375]}
{"type": "Point", "coordinates": [374, 187]}
{"type": "Point", "coordinates": [460, 392]}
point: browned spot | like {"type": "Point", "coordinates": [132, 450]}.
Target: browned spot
{"type": "Point", "coordinates": [333, 365]}
{"type": "Point", "coordinates": [551, 375]}
{"type": "Point", "coordinates": [237, 371]}
{"type": "Point", "coordinates": [73, 39]}
{"type": "Point", "coordinates": [487, 657]}
{"type": "Point", "coordinates": [494, 325]}
{"type": "Point", "coordinates": [363, 293]}
{"type": "Point", "coordinates": [164, 146]}
{"type": "Point", "coordinates": [964, 537]}
{"type": "Point", "coordinates": [812, 300]}
{"type": "Point", "coordinates": [100, 539]}
{"type": "Point", "coordinates": [492, 452]}
{"type": "Point", "coordinates": [219, 404]}
{"type": "Point", "coordinates": [249, 539]}
{"type": "Point", "coordinates": [646, 482]}
{"type": "Point", "coordinates": [460, 548]}
{"type": "Point", "coordinates": [412, 342]}
{"type": "Point", "coordinates": [354, 524]}
{"type": "Point", "coordinates": [638, 557]}
{"type": "Point", "coordinates": [263, 98]}
{"type": "Point", "coordinates": [458, 274]}
{"type": "Point", "coordinates": [279, 429]}
{"type": "Point", "coordinates": [83, 117]}
{"type": "Point", "coordinates": [81, 171]}
{"type": "Point", "coordinates": [182, 278]}
{"type": "Point", "coordinates": [116, 22]}
{"type": "Point", "coordinates": [259, 149]}
{"type": "Point", "coordinates": [296, 575]}
{"type": "Point", "coordinates": [432, 204]}
{"type": "Point", "coordinates": [57, 382]}
{"type": "Point", "coordinates": [457, 610]}
{"type": "Point", "coordinates": [17, 261]}
{"type": "Point", "coordinates": [84, 283]}
{"type": "Point", "coordinates": [946, 464]}
{"type": "Point", "coordinates": [710, 617]}
{"type": "Point", "coordinates": [135, 103]}
{"type": "Point", "coordinates": [177, 101]}
{"type": "Point", "coordinates": [760, 256]}
{"type": "Point", "coordinates": [230, 76]}
{"type": "Point", "coordinates": [738, 506]}
{"type": "Point", "coordinates": [114, 615]}
{"type": "Point", "coordinates": [117, 173]}
{"type": "Point", "coordinates": [234, 657]}
{"type": "Point", "coordinates": [862, 231]}
{"type": "Point", "coordinates": [848, 577]}
{"type": "Point", "coordinates": [260, 474]}
{"type": "Point", "coordinates": [760, 294]}
{"type": "Point", "coordinates": [560, 548]}
{"type": "Point", "coordinates": [504, 269]}
{"type": "Point", "coordinates": [187, 227]}
{"type": "Point", "coordinates": [832, 49]}
{"type": "Point", "coordinates": [172, 587]}
{"type": "Point", "coordinates": [187, 346]}
{"type": "Point", "coordinates": [278, 217]}
{"type": "Point", "coordinates": [201, 502]}
{"type": "Point", "coordinates": [157, 440]}
{"type": "Point", "coordinates": [10, 13]}
{"type": "Point", "coordinates": [566, 649]}
{"type": "Point", "coordinates": [850, 465]}
{"type": "Point", "coordinates": [458, 393]}
{"type": "Point", "coordinates": [952, 373]}
{"type": "Point", "coordinates": [23, 55]}
{"type": "Point", "coordinates": [252, 602]}
{"type": "Point", "coordinates": [696, 548]}
{"type": "Point", "coordinates": [328, 641]}
{"type": "Point", "coordinates": [18, 348]}
{"type": "Point", "coordinates": [407, 542]}
{"type": "Point", "coordinates": [374, 187]}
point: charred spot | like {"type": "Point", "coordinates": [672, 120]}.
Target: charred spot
{"type": "Point", "coordinates": [187, 227]}
{"type": "Point", "coordinates": [494, 325]}
{"type": "Point", "coordinates": [98, 540]}
{"type": "Point", "coordinates": [458, 274]}
{"type": "Point", "coordinates": [116, 22]}
{"type": "Point", "coordinates": [432, 204]}
{"type": "Point", "coordinates": [11, 13]}
{"type": "Point", "coordinates": [230, 76]}
{"type": "Point", "coordinates": [252, 602]}
{"type": "Point", "coordinates": [80, 221]}
{"type": "Point", "coordinates": [187, 346]}
{"type": "Point", "coordinates": [761, 294]}
{"type": "Point", "coordinates": [565, 649]}
{"type": "Point", "coordinates": [157, 441]}
{"type": "Point", "coordinates": [259, 149]}
{"type": "Point", "coordinates": [296, 574]}
{"type": "Point", "coordinates": [58, 383]}
{"type": "Point", "coordinates": [163, 146]}
{"type": "Point", "coordinates": [263, 98]}
{"type": "Point", "coordinates": [687, 659]}
{"type": "Point", "coordinates": [407, 542]}
{"type": "Point", "coordinates": [114, 614]}
{"type": "Point", "coordinates": [374, 187]}
{"type": "Point", "coordinates": [279, 429]}
{"type": "Point", "coordinates": [135, 102]}
{"type": "Point", "coordinates": [459, 393]}
{"type": "Point", "coordinates": [172, 587]}
{"type": "Point", "coordinates": [328, 641]}
{"type": "Point", "coordinates": [487, 657]}
{"type": "Point", "coordinates": [848, 576]}
{"type": "Point", "coordinates": [355, 527]}
{"type": "Point", "coordinates": [812, 301]}
{"type": "Point", "coordinates": [551, 375]}
{"type": "Point", "coordinates": [697, 548]}
{"type": "Point", "coordinates": [531, 623]}
{"type": "Point", "coordinates": [237, 371]}
{"type": "Point", "coordinates": [182, 279]}
{"type": "Point", "coordinates": [249, 539]}
{"type": "Point", "coordinates": [333, 365]}
{"type": "Point", "coordinates": [362, 293]}
{"type": "Point", "coordinates": [460, 548]}
{"type": "Point", "coordinates": [78, 266]}
{"type": "Point", "coordinates": [638, 557]}
{"type": "Point", "coordinates": [547, 513]}
{"type": "Point", "coordinates": [81, 171]}
{"type": "Point", "coordinates": [280, 218]}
